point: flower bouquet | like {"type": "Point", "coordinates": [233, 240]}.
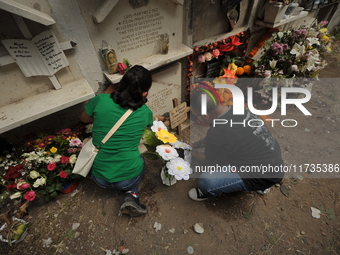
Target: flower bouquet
{"type": "Point", "coordinates": [42, 167]}
{"type": "Point", "coordinates": [292, 59]}
{"type": "Point", "coordinates": [175, 155]}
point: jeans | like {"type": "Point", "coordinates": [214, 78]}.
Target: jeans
{"type": "Point", "coordinates": [214, 184]}
{"type": "Point", "coordinates": [126, 185]}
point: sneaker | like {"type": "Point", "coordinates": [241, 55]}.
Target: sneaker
{"type": "Point", "coordinates": [197, 195]}
{"type": "Point", "coordinates": [132, 206]}
{"type": "Point", "coordinates": [264, 192]}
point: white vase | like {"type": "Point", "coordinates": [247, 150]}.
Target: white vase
{"type": "Point", "coordinates": [167, 181]}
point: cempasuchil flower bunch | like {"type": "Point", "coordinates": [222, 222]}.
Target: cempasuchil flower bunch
{"type": "Point", "coordinates": [175, 155]}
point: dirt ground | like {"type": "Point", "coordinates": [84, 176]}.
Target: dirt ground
{"type": "Point", "coordinates": [87, 222]}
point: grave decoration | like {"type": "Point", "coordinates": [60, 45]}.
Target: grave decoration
{"type": "Point", "coordinates": [211, 60]}
{"type": "Point", "coordinates": [175, 155]}
{"type": "Point", "coordinates": [42, 167]}
{"type": "Point", "coordinates": [292, 58]}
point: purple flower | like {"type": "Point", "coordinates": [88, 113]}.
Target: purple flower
{"type": "Point", "coordinates": [280, 72]}
{"type": "Point", "coordinates": [285, 46]}
{"type": "Point", "coordinates": [323, 23]}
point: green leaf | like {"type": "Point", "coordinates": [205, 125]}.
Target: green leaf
{"type": "Point", "coordinates": [151, 156]}
{"type": "Point", "coordinates": [246, 215]}
{"type": "Point", "coordinates": [54, 194]}
{"type": "Point", "coordinates": [59, 186]}
{"type": "Point", "coordinates": [50, 189]}
{"type": "Point", "coordinates": [151, 148]}
{"type": "Point", "coordinates": [150, 138]}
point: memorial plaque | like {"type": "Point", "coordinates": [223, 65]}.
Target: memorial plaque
{"type": "Point", "coordinates": [166, 85]}
{"type": "Point", "coordinates": [178, 115]}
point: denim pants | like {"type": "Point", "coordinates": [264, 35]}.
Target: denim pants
{"type": "Point", "coordinates": [213, 184]}
{"type": "Point", "coordinates": [126, 185]}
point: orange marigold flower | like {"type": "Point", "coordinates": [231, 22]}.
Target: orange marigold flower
{"type": "Point", "coordinates": [247, 69]}
{"type": "Point", "coordinates": [239, 71]}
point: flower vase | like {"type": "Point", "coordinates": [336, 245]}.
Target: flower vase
{"type": "Point", "coordinates": [274, 12]}
{"type": "Point", "coordinates": [166, 180]}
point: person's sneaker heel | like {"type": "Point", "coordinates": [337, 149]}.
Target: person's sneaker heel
{"type": "Point", "coordinates": [197, 195]}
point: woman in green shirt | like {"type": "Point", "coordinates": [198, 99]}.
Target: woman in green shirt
{"type": "Point", "coordinates": [118, 163]}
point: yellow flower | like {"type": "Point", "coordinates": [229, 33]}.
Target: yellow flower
{"type": "Point", "coordinates": [165, 136]}
{"type": "Point", "coordinates": [323, 30]}
{"type": "Point", "coordinates": [325, 38]}
{"type": "Point", "coordinates": [328, 49]}
{"type": "Point", "coordinates": [53, 150]}
{"type": "Point", "coordinates": [233, 67]}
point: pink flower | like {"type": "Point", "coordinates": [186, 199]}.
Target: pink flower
{"type": "Point", "coordinates": [201, 59]}
{"type": "Point", "coordinates": [216, 53]}
{"type": "Point", "coordinates": [72, 150]}
{"type": "Point", "coordinates": [24, 186]}
{"type": "Point", "coordinates": [64, 159]}
{"type": "Point", "coordinates": [121, 67]}
{"type": "Point", "coordinates": [75, 142]}
{"type": "Point", "coordinates": [30, 195]}
{"type": "Point", "coordinates": [51, 166]}
{"type": "Point", "coordinates": [63, 174]}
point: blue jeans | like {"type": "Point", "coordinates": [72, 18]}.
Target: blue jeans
{"type": "Point", "coordinates": [126, 185]}
{"type": "Point", "coordinates": [214, 184]}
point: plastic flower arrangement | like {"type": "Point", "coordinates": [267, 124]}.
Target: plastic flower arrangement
{"type": "Point", "coordinates": [175, 155]}
{"type": "Point", "coordinates": [294, 53]}
{"type": "Point", "coordinates": [42, 167]}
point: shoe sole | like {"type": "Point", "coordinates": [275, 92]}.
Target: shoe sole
{"type": "Point", "coordinates": [132, 209]}
{"type": "Point", "coordinates": [193, 196]}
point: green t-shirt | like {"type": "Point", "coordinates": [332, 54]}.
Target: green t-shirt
{"type": "Point", "coordinates": [119, 158]}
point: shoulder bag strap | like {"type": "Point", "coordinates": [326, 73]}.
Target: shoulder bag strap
{"type": "Point", "coordinates": [115, 127]}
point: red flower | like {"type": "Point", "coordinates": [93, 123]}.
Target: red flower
{"type": "Point", "coordinates": [121, 67]}
{"type": "Point", "coordinates": [63, 174]}
{"type": "Point", "coordinates": [231, 45]}
{"type": "Point", "coordinates": [64, 159]}
{"type": "Point", "coordinates": [30, 195]}
{"type": "Point", "coordinates": [11, 186]}
{"type": "Point", "coordinates": [24, 186]}
{"type": "Point", "coordinates": [51, 166]}
{"type": "Point", "coordinates": [13, 172]}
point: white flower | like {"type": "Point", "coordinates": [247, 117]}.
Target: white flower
{"type": "Point", "coordinates": [57, 158]}
{"type": "Point", "coordinates": [39, 182]}
{"type": "Point", "coordinates": [167, 152]}
{"type": "Point", "coordinates": [298, 50]}
{"type": "Point", "coordinates": [179, 168]}
{"type": "Point", "coordinates": [312, 59]}
{"type": "Point", "coordinates": [34, 174]}
{"type": "Point", "coordinates": [181, 145]}
{"type": "Point", "coordinates": [73, 159]}
{"type": "Point", "coordinates": [280, 34]}
{"type": "Point", "coordinates": [295, 68]}
{"type": "Point", "coordinates": [89, 128]}
{"type": "Point", "coordinates": [208, 56]}
{"type": "Point", "coordinates": [312, 40]}
{"type": "Point", "coordinates": [75, 142]}
{"type": "Point", "coordinates": [158, 125]}
{"type": "Point", "coordinates": [15, 195]}
{"type": "Point", "coordinates": [272, 63]}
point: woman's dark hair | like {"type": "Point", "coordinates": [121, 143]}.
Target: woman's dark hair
{"type": "Point", "coordinates": [128, 93]}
